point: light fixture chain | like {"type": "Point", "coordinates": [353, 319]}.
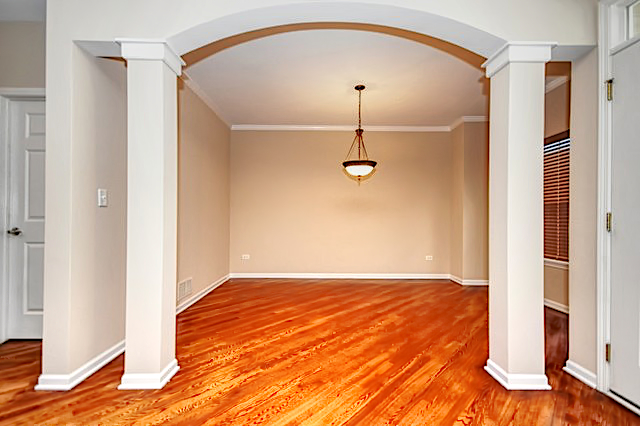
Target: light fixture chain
{"type": "Point", "coordinates": [359, 109]}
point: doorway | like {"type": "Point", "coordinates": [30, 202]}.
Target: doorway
{"type": "Point", "coordinates": [22, 251]}
{"type": "Point", "coordinates": [625, 227]}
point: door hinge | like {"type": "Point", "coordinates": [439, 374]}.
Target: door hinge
{"type": "Point", "coordinates": [607, 352]}
{"type": "Point", "coordinates": [608, 222]}
{"type": "Point", "coordinates": [609, 84]}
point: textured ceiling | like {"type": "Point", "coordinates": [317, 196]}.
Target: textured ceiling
{"type": "Point", "coordinates": [307, 78]}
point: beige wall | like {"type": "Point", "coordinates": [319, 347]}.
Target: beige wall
{"type": "Point", "coordinates": [92, 313]}
{"type": "Point", "coordinates": [294, 211]}
{"type": "Point", "coordinates": [556, 285]}
{"type": "Point", "coordinates": [556, 120]}
{"type": "Point", "coordinates": [457, 195]}
{"type": "Point", "coordinates": [22, 54]}
{"type": "Point", "coordinates": [475, 223]}
{"type": "Point", "coordinates": [89, 318]}
{"type": "Point", "coordinates": [469, 201]}
{"type": "Point", "coordinates": [557, 109]}
{"type": "Point", "coordinates": [583, 219]}
{"type": "Point", "coordinates": [203, 192]}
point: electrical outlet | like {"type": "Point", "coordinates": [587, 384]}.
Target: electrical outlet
{"type": "Point", "coordinates": [428, 258]}
{"type": "Point", "coordinates": [245, 257]}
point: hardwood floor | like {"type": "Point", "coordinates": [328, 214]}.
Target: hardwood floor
{"type": "Point", "coordinates": [312, 352]}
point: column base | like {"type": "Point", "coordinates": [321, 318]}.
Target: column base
{"type": "Point", "coordinates": [512, 381]}
{"type": "Point", "coordinates": [149, 380]}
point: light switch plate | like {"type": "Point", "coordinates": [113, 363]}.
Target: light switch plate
{"type": "Point", "coordinates": [103, 197]}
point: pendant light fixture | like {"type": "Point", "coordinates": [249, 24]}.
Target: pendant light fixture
{"type": "Point", "coordinates": [357, 163]}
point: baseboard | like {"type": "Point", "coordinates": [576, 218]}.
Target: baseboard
{"type": "Point", "coordinates": [517, 381]}
{"type": "Point", "coordinates": [579, 372]}
{"type": "Point", "coordinates": [202, 293]}
{"type": "Point", "coordinates": [557, 306]}
{"type": "Point", "coordinates": [467, 282]}
{"type": "Point", "coordinates": [329, 276]}
{"type": "Point", "coordinates": [64, 382]}
{"type": "Point", "coordinates": [131, 381]}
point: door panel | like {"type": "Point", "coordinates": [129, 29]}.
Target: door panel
{"type": "Point", "coordinates": [625, 236]}
{"type": "Point", "coordinates": [26, 212]}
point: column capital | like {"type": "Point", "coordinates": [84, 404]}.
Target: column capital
{"type": "Point", "coordinates": [527, 51]}
{"type": "Point", "coordinates": [150, 50]}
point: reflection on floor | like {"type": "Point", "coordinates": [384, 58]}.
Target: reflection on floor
{"type": "Point", "coordinates": [320, 352]}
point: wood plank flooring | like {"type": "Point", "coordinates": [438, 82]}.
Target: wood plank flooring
{"type": "Point", "coordinates": [312, 352]}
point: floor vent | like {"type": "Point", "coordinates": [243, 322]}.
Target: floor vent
{"type": "Point", "coordinates": [184, 289]}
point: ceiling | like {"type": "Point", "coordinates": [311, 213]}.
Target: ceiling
{"type": "Point", "coordinates": [307, 78]}
{"type": "Point", "coordinates": [23, 10]}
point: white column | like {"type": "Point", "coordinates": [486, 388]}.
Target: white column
{"type": "Point", "coordinates": [152, 173]}
{"type": "Point", "coordinates": [516, 290]}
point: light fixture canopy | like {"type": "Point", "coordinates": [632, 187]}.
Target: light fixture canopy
{"type": "Point", "coordinates": [359, 166]}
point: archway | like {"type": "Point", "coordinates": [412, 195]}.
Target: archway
{"type": "Point", "coordinates": [517, 72]}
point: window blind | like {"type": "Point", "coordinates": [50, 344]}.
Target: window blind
{"type": "Point", "coordinates": [556, 197]}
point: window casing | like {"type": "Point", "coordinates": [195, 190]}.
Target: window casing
{"type": "Point", "coordinates": [556, 197]}
{"type": "Point", "coordinates": [633, 19]}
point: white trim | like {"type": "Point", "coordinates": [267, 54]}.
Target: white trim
{"type": "Point", "coordinates": [556, 306]}
{"type": "Point", "coordinates": [199, 295]}
{"type": "Point", "coordinates": [579, 372]}
{"type": "Point", "coordinates": [329, 276]}
{"type": "Point", "coordinates": [623, 402]}
{"type": "Point", "coordinates": [191, 83]}
{"type": "Point", "coordinates": [132, 381]}
{"type": "Point", "coordinates": [335, 128]}
{"type": "Point", "coordinates": [100, 48]}
{"type": "Point", "coordinates": [627, 43]}
{"type": "Point", "coordinates": [604, 198]}
{"type": "Point", "coordinates": [558, 264]}
{"type": "Point", "coordinates": [510, 52]}
{"type": "Point", "coordinates": [5, 165]}
{"type": "Point", "coordinates": [468, 282]}
{"type": "Point", "coordinates": [468, 119]}
{"type": "Point", "coordinates": [22, 92]}
{"type": "Point", "coordinates": [406, 18]}
{"type": "Point", "coordinates": [555, 83]}
{"type": "Point", "coordinates": [517, 381]}
{"type": "Point", "coordinates": [151, 50]}
{"type": "Point", "coordinates": [65, 382]}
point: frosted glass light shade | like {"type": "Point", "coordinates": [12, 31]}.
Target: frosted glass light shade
{"type": "Point", "coordinates": [359, 168]}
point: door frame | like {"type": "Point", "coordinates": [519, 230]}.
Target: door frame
{"type": "Point", "coordinates": [612, 37]}
{"type": "Point", "coordinates": [6, 96]}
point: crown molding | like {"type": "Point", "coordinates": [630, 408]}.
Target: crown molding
{"type": "Point", "coordinates": [191, 84]}
{"type": "Point", "coordinates": [336, 128]}
{"type": "Point", "coordinates": [469, 119]}
{"type": "Point", "coordinates": [524, 52]}
{"type": "Point", "coordinates": [555, 83]}
{"type": "Point", "coordinates": [347, 128]}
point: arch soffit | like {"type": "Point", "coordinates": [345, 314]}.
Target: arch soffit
{"type": "Point", "coordinates": [381, 18]}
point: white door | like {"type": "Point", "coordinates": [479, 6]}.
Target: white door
{"type": "Point", "coordinates": [26, 219]}
{"type": "Point", "coordinates": [625, 236]}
